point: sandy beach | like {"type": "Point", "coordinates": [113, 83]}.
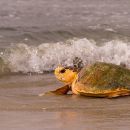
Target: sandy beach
{"type": "Point", "coordinates": [22, 109]}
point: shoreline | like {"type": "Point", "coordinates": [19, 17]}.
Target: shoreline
{"type": "Point", "coordinates": [22, 108]}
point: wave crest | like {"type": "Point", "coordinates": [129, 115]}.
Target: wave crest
{"type": "Point", "coordinates": [47, 56]}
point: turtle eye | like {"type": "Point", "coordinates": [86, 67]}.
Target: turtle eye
{"type": "Point", "coordinates": [62, 71]}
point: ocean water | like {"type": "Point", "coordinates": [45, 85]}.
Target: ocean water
{"type": "Point", "coordinates": [36, 36]}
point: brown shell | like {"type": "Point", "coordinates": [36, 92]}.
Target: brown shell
{"type": "Point", "coordinates": [101, 78]}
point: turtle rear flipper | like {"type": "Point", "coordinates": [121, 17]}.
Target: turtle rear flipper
{"type": "Point", "coordinates": [110, 94]}
{"type": "Point", "coordinates": [118, 93]}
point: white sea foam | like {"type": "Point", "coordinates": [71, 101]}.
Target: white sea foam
{"type": "Point", "coordinates": [46, 57]}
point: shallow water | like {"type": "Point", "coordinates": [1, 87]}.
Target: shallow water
{"type": "Point", "coordinates": [21, 108]}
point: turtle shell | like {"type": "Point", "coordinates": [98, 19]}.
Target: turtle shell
{"type": "Point", "coordinates": [102, 79]}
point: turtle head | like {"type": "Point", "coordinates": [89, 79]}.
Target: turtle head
{"type": "Point", "coordinates": [66, 75]}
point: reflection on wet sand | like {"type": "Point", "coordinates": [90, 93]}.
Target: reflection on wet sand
{"type": "Point", "coordinates": [21, 108]}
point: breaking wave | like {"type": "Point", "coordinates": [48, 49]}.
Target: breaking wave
{"type": "Point", "coordinates": [47, 56]}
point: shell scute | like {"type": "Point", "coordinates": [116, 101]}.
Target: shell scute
{"type": "Point", "coordinates": [104, 76]}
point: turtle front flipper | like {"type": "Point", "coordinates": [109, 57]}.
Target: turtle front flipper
{"type": "Point", "coordinates": [60, 91]}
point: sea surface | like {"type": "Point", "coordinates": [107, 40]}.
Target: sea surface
{"type": "Point", "coordinates": [36, 37]}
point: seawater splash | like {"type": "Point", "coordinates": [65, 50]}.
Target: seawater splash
{"type": "Point", "coordinates": [47, 56]}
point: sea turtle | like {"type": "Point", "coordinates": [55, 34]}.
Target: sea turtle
{"type": "Point", "coordinates": [97, 80]}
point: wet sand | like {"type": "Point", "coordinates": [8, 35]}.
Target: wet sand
{"type": "Point", "coordinates": [22, 109]}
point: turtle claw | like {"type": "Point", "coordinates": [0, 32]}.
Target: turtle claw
{"type": "Point", "coordinates": [41, 94]}
{"type": "Point", "coordinates": [46, 93]}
